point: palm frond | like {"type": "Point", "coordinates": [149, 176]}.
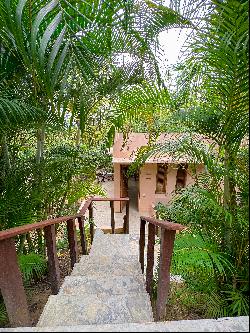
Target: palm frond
{"type": "Point", "coordinates": [215, 73]}
{"type": "Point", "coordinates": [194, 254]}
{"type": "Point", "coordinates": [32, 266]}
{"type": "Point", "coordinates": [17, 114]}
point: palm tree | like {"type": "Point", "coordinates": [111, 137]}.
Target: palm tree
{"type": "Point", "coordinates": [212, 99]}
{"type": "Point", "coordinates": [49, 46]}
{"type": "Point", "coordinates": [216, 75]}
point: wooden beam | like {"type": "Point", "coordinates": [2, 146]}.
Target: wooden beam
{"type": "Point", "coordinates": [71, 228]}
{"type": "Point", "coordinates": [82, 234]}
{"type": "Point", "coordinates": [166, 251]}
{"type": "Point", "coordinates": [150, 259]}
{"type": "Point", "coordinates": [53, 263]}
{"type": "Point", "coordinates": [11, 285]}
{"type": "Point", "coordinates": [142, 244]}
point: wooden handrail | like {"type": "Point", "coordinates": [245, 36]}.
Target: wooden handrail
{"type": "Point", "coordinates": [168, 225]}
{"type": "Point", "coordinates": [109, 199]}
{"type": "Point", "coordinates": [11, 284]}
{"type": "Point", "coordinates": [15, 231]}
{"type": "Point", "coordinates": [12, 232]}
{"type": "Point", "coordinates": [168, 231]}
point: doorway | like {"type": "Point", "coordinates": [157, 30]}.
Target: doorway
{"type": "Point", "coordinates": [129, 187]}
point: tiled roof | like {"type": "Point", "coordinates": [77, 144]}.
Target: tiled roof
{"type": "Point", "coordinates": [124, 151]}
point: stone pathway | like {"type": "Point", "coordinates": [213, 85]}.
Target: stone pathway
{"type": "Point", "coordinates": [102, 215]}
{"type": "Point", "coordinates": [106, 293]}
{"type": "Point", "coordinates": [106, 290]}
{"type": "Point", "coordinates": [102, 210]}
{"type": "Point", "coordinates": [105, 287]}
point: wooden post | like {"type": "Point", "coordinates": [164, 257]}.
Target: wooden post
{"type": "Point", "coordinates": [11, 285]}
{"type": "Point", "coordinates": [124, 224]}
{"type": "Point", "coordinates": [91, 222]}
{"type": "Point", "coordinates": [156, 230]}
{"type": "Point", "coordinates": [166, 251]}
{"type": "Point", "coordinates": [127, 218]}
{"type": "Point", "coordinates": [71, 228]}
{"type": "Point", "coordinates": [82, 234]}
{"type": "Point", "coordinates": [112, 217]}
{"type": "Point", "coordinates": [53, 263]}
{"type": "Point", "coordinates": [142, 244]}
{"type": "Point", "coordinates": [150, 258]}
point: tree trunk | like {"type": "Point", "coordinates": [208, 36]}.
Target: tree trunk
{"type": "Point", "coordinates": [229, 198]}
{"type": "Point", "coordinates": [39, 157]}
{"type": "Point", "coordinates": [40, 144]}
{"type": "Point", "coordinates": [6, 156]}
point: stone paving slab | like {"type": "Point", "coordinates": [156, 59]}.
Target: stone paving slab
{"type": "Point", "coordinates": [116, 244]}
{"type": "Point", "coordinates": [81, 285]}
{"type": "Point", "coordinates": [95, 266]}
{"type": "Point", "coordinates": [95, 309]}
{"type": "Point", "coordinates": [229, 324]}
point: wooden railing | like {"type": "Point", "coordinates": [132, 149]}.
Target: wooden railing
{"type": "Point", "coordinates": [11, 284]}
{"type": "Point", "coordinates": [168, 231]}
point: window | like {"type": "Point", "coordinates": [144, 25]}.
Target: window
{"type": "Point", "coordinates": [181, 176]}
{"type": "Point", "coordinates": [161, 178]}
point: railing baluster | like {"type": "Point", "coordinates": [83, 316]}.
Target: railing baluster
{"type": "Point", "coordinates": [142, 243]}
{"type": "Point", "coordinates": [71, 228]}
{"type": "Point", "coordinates": [156, 231]}
{"type": "Point", "coordinates": [112, 217]}
{"type": "Point", "coordinates": [91, 225]}
{"type": "Point", "coordinates": [127, 218]}
{"type": "Point", "coordinates": [124, 224]}
{"type": "Point", "coordinates": [53, 263]}
{"type": "Point", "coordinates": [150, 258]}
{"type": "Point", "coordinates": [11, 285]}
{"type": "Point", "coordinates": [81, 220]}
{"type": "Point", "coordinates": [166, 250]}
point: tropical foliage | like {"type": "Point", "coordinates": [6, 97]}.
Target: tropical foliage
{"type": "Point", "coordinates": [74, 72]}
{"type": "Point", "coordinates": [212, 99]}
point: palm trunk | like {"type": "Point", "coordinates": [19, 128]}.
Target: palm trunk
{"type": "Point", "coordinates": [229, 199]}
{"type": "Point", "coordinates": [39, 157]}
{"type": "Point", "coordinates": [6, 156]}
{"type": "Point", "coordinates": [40, 144]}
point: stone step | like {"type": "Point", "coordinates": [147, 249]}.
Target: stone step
{"type": "Point", "coordinates": [107, 229]}
{"type": "Point", "coordinates": [112, 244]}
{"type": "Point", "coordinates": [87, 259]}
{"type": "Point", "coordinates": [62, 310]}
{"type": "Point", "coordinates": [227, 324]}
{"type": "Point", "coordinates": [107, 266]}
{"type": "Point", "coordinates": [114, 285]}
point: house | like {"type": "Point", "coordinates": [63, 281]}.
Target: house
{"type": "Point", "coordinates": [158, 178]}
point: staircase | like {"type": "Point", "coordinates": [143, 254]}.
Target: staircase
{"type": "Point", "coordinates": [106, 293]}
{"type": "Point", "coordinates": [105, 287]}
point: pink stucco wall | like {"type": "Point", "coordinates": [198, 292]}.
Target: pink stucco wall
{"type": "Point", "coordinates": [147, 185]}
{"type": "Point", "coordinates": [124, 153]}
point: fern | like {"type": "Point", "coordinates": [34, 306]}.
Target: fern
{"type": "Point", "coordinates": [238, 302]}
{"type": "Point", "coordinates": [33, 266]}
{"type": "Point", "coordinates": [216, 306]}
{"type": "Point", "coordinates": [196, 255]}
{"type": "Point", "coordinates": [3, 313]}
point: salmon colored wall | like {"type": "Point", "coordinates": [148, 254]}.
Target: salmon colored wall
{"type": "Point", "coordinates": [147, 185]}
